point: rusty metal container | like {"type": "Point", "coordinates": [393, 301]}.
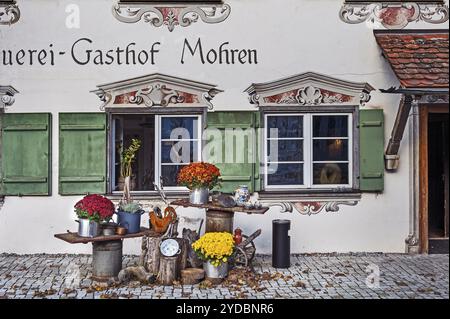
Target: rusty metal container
{"type": "Point", "coordinates": [106, 259]}
{"type": "Point", "coordinates": [219, 221]}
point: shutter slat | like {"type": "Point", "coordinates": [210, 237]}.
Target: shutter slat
{"type": "Point", "coordinates": [371, 150]}
{"type": "Point", "coordinates": [26, 154]}
{"type": "Point", "coordinates": [25, 128]}
{"type": "Point", "coordinates": [82, 149]}
{"type": "Point", "coordinates": [12, 180]}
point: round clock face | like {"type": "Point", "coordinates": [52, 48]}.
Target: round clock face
{"type": "Point", "coordinates": [170, 247]}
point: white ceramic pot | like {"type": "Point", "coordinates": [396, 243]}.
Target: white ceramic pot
{"type": "Point", "coordinates": [199, 196]}
{"type": "Point", "coordinates": [213, 272]}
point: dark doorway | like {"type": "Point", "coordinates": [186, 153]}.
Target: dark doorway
{"type": "Point", "coordinates": [438, 185]}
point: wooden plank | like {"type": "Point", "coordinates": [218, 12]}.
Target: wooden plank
{"type": "Point", "coordinates": [73, 238]}
{"type": "Point", "coordinates": [185, 203]}
{"type": "Point", "coordinates": [423, 179]}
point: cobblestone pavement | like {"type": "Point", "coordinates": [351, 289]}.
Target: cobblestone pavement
{"type": "Point", "coordinates": [311, 276]}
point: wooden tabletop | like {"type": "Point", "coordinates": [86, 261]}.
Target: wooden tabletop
{"type": "Point", "coordinates": [211, 206]}
{"type": "Point", "coordinates": [73, 238]}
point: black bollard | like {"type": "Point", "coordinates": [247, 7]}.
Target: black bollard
{"type": "Point", "coordinates": [281, 244]}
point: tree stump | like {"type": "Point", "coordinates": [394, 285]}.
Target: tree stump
{"type": "Point", "coordinates": [150, 256]}
{"type": "Point", "coordinates": [183, 256]}
{"type": "Point", "coordinates": [192, 276]}
{"type": "Point", "coordinates": [168, 270]}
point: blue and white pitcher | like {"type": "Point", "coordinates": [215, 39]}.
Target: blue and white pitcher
{"type": "Point", "coordinates": [242, 195]}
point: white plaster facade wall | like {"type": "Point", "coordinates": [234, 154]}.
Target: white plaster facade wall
{"type": "Point", "coordinates": [291, 36]}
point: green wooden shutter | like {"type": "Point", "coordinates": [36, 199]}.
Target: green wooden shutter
{"type": "Point", "coordinates": [371, 130]}
{"type": "Point", "coordinates": [82, 153]}
{"type": "Point", "coordinates": [236, 172]}
{"type": "Point", "coordinates": [26, 154]}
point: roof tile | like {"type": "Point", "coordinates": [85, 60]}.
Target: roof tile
{"type": "Point", "coordinates": [418, 59]}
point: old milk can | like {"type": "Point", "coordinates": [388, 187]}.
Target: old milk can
{"type": "Point", "coordinates": [219, 221]}
{"type": "Point", "coordinates": [106, 259]}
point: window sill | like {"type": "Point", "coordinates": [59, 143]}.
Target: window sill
{"type": "Point", "coordinates": [309, 195]}
{"type": "Point", "coordinates": [152, 196]}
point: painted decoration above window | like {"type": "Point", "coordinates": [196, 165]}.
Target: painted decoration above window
{"type": "Point", "coordinates": [156, 90]}
{"type": "Point", "coordinates": [9, 12]}
{"type": "Point", "coordinates": [171, 13]}
{"type": "Point", "coordinates": [309, 89]}
{"type": "Point", "coordinates": [7, 96]}
{"type": "Point", "coordinates": [394, 14]}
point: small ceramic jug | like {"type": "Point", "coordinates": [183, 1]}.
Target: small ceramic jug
{"type": "Point", "coordinates": [242, 195]}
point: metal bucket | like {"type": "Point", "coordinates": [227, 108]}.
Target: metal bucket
{"type": "Point", "coordinates": [213, 272]}
{"type": "Point", "coordinates": [132, 222]}
{"type": "Point", "coordinates": [199, 196]}
{"type": "Point", "coordinates": [88, 228]}
{"type": "Point", "coordinates": [219, 221]}
{"type": "Point", "coordinates": [106, 259]}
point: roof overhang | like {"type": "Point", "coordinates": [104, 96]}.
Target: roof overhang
{"type": "Point", "coordinates": [156, 90]}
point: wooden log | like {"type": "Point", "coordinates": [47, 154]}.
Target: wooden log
{"type": "Point", "coordinates": [150, 256]}
{"type": "Point", "coordinates": [168, 270]}
{"type": "Point", "coordinates": [192, 276]}
{"type": "Point", "coordinates": [135, 273]}
{"type": "Point", "coordinates": [183, 256]}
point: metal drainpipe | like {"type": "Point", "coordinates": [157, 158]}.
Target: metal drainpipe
{"type": "Point", "coordinates": [412, 241]}
{"type": "Point", "coordinates": [392, 159]}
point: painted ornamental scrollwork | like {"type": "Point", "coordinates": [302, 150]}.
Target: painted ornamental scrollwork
{"type": "Point", "coordinates": [9, 12]}
{"type": "Point", "coordinates": [312, 208]}
{"type": "Point", "coordinates": [7, 96]}
{"type": "Point", "coordinates": [394, 15]}
{"type": "Point", "coordinates": [171, 15]}
{"type": "Point", "coordinates": [309, 89]}
{"type": "Point", "coordinates": [156, 90]}
{"type": "Point", "coordinates": [157, 95]}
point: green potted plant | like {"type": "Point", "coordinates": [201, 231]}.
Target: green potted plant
{"type": "Point", "coordinates": [129, 212]}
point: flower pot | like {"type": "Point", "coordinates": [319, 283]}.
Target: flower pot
{"type": "Point", "coordinates": [132, 222]}
{"type": "Point", "coordinates": [213, 272]}
{"type": "Point", "coordinates": [88, 228]}
{"type": "Point", "coordinates": [199, 196]}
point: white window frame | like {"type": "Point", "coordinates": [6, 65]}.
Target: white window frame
{"type": "Point", "coordinates": [158, 163]}
{"type": "Point", "coordinates": [157, 154]}
{"type": "Point", "coordinates": [308, 162]}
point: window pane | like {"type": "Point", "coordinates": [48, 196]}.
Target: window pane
{"type": "Point", "coordinates": [127, 128]}
{"type": "Point", "coordinates": [330, 150]}
{"type": "Point", "coordinates": [330, 126]}
{"type": "Point", "coordinates": [179, 152]}
{"type": "Point", "coordinates": [285, 150]}
{"type": "Point", "coordinates": [285, 174]}
{"type": "Point", "coordinates": [189, 124]}
{"type": "Point", "coordinates": [288, 126]}
{"type": "Point", "coordinates": [169, 174]}
{"type": "Point", "coordinates": [331, 173]}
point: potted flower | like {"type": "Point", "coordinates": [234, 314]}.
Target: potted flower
{"type": "Point", "coordinates": [129, 216]}
{"type": "Point", "coordinates": [92, 210]}
{"type": "Point", "coordinates": [199, 178]}
{"type": "Point", "coordinates": [215, 249]}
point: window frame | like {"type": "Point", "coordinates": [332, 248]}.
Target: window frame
{"type": "Point", "coordinates": [199, 112]}
{"type": "Point", "coordinates": [353, 131]}
{"type": "Point", "coordinates": [159, 140]}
